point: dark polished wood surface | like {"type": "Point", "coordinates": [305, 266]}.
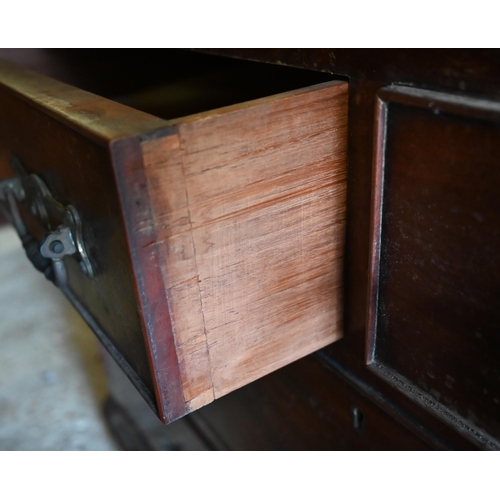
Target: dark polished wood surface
{"type": "Point", "coordinates": [438, 267]}
{"type": "Point", "coordinates": [43, 123]}
{"type": "Point", "coordinates": [305, 406]}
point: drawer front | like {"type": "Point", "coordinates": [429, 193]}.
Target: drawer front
{"type": "Point", "coordinates": [435, 303]}
{"type": "Point", "coordinates": [217, 240]}
{"type": "Point", "coordinates": [303, 406]}
{"type": "Point", "coordinates": [63, 135]}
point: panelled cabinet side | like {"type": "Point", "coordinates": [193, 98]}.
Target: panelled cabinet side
{"type": "Point", "coordinates": [460, 74]}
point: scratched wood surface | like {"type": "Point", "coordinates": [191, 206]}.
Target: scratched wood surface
{"type": "Point", "coordinates": [249, 207]}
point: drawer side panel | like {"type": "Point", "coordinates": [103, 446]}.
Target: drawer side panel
{"type": "Point", "coordinates": [249, 205]}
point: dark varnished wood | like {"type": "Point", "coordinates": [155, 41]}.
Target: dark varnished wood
{"type": "Point", "coordinates": [64, 136]}
{"type": "Point", "coordinates": [472, 71]}
{"type": "Point", "coordinates": [434, 313]}
{"type": "Point", "coordinates": [463, 72]}
{"type": "Point", "coordinates": [305, 406]}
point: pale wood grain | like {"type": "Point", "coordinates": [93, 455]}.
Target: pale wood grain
{"type": "Point", "coordinates": [166, 183]}
{"type": "Point", "coordinates": [249, 205]}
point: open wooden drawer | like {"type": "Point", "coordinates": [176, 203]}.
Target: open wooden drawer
{"type": "Point", "coordinates": [204, 252]}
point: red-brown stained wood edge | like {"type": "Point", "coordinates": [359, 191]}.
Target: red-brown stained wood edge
{"type": "Point", "coordinates": [376, 226]}
{"type": "Point", "coordinates": [153, 301]}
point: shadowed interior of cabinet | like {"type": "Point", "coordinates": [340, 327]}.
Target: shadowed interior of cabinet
{"type": "Point", "coordinates": [167, 83]}
{"type": "Point", "coordinates": [233, 83]}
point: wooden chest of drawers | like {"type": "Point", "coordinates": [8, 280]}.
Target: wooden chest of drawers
{"type": "Point", "coordinates": [240, 213]}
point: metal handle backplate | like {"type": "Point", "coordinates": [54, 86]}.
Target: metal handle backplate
{"type": "Point", "coordinates": [61, 224]}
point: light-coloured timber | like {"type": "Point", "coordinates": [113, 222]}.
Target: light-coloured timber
{"type": "Point", "coordinates": [249, 206]}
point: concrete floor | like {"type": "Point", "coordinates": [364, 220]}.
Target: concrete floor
{"type": "Point", "coordinates": [51, 379]}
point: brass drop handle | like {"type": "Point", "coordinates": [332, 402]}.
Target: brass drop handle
{"type": "Point", "coordinates": [67, 239]}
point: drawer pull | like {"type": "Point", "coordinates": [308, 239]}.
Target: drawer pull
{"type": "Point", "coordinates": [47, 256]}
